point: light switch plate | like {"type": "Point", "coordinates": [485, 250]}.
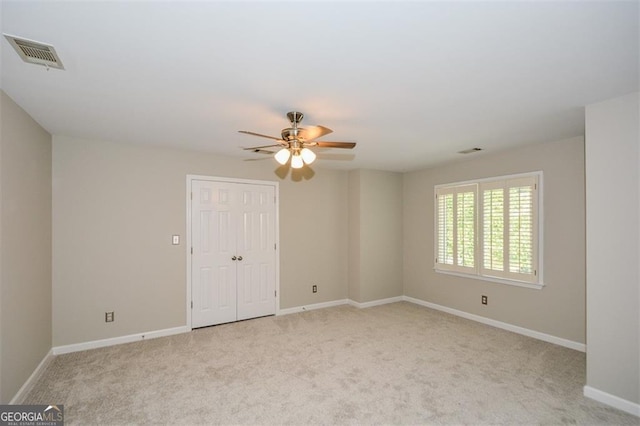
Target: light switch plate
{"type": "Point", "coordinates": [176, 240]}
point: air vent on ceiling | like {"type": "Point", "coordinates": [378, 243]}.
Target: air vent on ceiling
{"type": "Point", "coordinates": [469, 151]}
{"type": "Point", "coordinates": [35, 52]}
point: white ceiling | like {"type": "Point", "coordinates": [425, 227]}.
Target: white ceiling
{"type": "Point", "coordinates": [411, 82]}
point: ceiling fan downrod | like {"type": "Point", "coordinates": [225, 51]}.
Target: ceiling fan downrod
{"type": "Point", "coordinates": [296, 151]}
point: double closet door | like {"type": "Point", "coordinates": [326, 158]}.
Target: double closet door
{"type": "Point", "coordinates": [233, 273]}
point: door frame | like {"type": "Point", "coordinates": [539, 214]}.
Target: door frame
{"type": "Point", "coordinates": [276, 187]}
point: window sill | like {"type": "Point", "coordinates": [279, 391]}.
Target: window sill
{"type": "Point", "coordinates": [492, 279]}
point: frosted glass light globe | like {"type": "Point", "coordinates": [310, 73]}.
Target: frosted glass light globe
{"type": "Point", "coordinates": [296, 161]}
{"type": "Point", "coordinates": [307, 155]}
{"type": "Point", "coordinates": [282, 156]}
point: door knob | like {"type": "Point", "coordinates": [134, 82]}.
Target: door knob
{"type": "Point", "coordinates": [239, 257]}
{"type": "Point", "coordinates": [233, 258]}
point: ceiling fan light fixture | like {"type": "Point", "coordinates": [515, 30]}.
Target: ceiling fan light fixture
{"type": "Point", "coordinates": [296, 161]}
{"type": "Point", "coordinates": [307, 155]}
{"type": "Point", "coordinates": [292, 143]}
{"type": "Point", "coordinates": [282, 156]}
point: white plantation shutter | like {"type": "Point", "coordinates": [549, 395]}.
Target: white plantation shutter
{"type": "Point", "coordinates": [445, 229]}
{"type": "Point", "coordinates": [465, 227]}
{"type": "Point", "coordinates": [509, 229]}
{"type": "Point", "coordinates": [493, 227]}
{"type": "Point", "coordinates": [521, 229]}
{"type": "Point", "coordinates": [489, 228]}
{"type": "Point", "coordinates": [456, 228]}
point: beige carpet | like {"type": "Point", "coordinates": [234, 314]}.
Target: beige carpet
{"type": "Point", "coordinates": [393, 364]}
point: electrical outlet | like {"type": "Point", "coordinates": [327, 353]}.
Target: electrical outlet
{"type": "Point", "coordinates": [108, 316]}
{"type": "Point", "coordinates": [314, 288]}
{"type": "Point", "coordinates": [485, 300]}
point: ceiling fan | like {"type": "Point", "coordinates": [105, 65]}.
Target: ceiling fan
{"type": "Point", "coordinates": [296, 141]}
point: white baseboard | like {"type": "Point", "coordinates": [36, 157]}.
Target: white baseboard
{"type": "Point", "coordinates": [503, 325]}
{"type": "Point", "coordinates": [76, 347]}
{"type": "Point", "coordinates": [304, 308]}
{"type": "Point", "coordinates": [375, 302]}
{"type": "Point", "coordinates": [338, 303]}
{"type": "Point", "coordinates": [612, 400]}
{"type": "Point", "coordinates": [28, 385]}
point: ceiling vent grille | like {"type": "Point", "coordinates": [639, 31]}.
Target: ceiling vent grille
{"type": "Point", "coordinates": [35, 52]}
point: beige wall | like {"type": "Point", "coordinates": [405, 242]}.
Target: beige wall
{"type": "Point", "coordinates": [115, 207]}
{"type": "Point", "coordinates": [313, 238]}
{"type": "Point", "coordinates": [613, 247]}
{"type": "Point", "coordinates": [25, 246]}
{"type": "Point", "coordinates": [355, 283]}
{"type": "Point", "coordinates": [375, 246]}
{"type": "Point", "coordinates": [559, 308]}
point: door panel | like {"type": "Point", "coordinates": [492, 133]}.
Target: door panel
{"type": "Point", "coordinates": [213, 274]}
{"type": "Point", "coordinates": [256, 243]}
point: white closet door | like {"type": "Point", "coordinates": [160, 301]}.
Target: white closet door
{"type": "Point", "coordinates": [213, 274]}
{"type": "Point", "coordinates": [256, 244]}
{"type": "Point", "coordinates": [233, 274]}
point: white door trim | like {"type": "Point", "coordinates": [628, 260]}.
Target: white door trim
{"type": "Point", "coordinates": [190, 179]}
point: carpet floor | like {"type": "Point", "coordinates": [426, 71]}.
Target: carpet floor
{"type": "Point", "coordinates": [393, 364]}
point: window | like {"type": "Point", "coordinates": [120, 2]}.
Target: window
{"type": "Point", "coordinates": [489, 228]}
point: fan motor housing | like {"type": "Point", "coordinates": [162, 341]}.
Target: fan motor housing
{"type": "Point", "coordinates": [290, 134]}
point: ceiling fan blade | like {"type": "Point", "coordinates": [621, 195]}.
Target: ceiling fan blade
{"type": "Point", "coordinates": [262, 151]}
{"type": "Point", "coordinates": [254, 148]}
{"type": "Point", "coordinates": [347, 145]}
{"type": "Point", "coordinates": [313, 132]}
{"type": "Point", "coordinates": [256, 159]}
{"type": "Point", "coordinates": [259, 134]}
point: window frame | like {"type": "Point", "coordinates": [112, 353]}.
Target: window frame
{"type": "Point", "coordinates": [478, 272]}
